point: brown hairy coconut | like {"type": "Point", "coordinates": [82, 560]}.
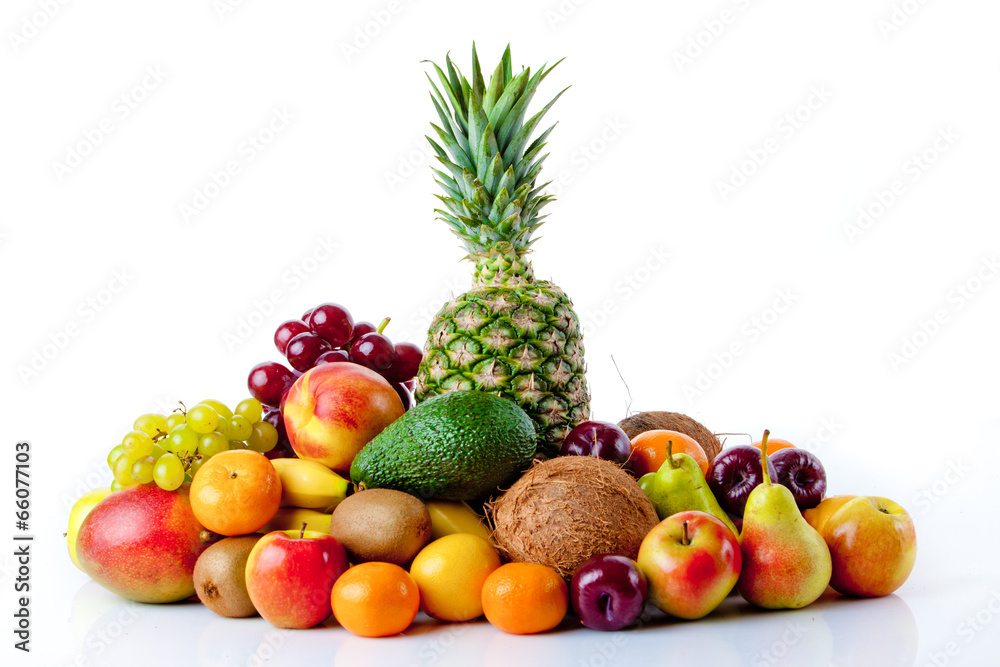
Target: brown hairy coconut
{"type": "Point", "coordinates": [672, 421]}
{"type": "Point", "coordinates": [567, 509]}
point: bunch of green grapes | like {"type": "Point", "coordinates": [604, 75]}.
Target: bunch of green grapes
{"type": "Point", "coordinates": [169, 449]}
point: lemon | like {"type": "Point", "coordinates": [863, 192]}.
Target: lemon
{"type": "Point", "coordinates": [450, 572]}
{"type": "Point", "coordinates": [81, 509]}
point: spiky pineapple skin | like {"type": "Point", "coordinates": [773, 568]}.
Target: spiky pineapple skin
{"type": "Point", "coordinates": [514, 336]}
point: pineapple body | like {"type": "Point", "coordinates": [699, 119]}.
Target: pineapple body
{"type": "Point", "coordinates": [514, 336]}
{"type": "Point", "coordinates": [510, 334]}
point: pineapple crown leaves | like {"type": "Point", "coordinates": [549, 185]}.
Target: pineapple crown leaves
{"type": "Point", "coordinates": [489, 162]}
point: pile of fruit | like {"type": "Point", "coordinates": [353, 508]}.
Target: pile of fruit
{"type": "Point", "coordinates": [487, 491]}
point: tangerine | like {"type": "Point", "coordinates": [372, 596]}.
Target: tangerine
{"type": "Point", "coordinates": [235, 492]}
{"type": "Point", "coordinates": [525, 598]}
{"type": "Point", "coordinates": [773, 445]}
{"type": "Point", "coordinates": [649, 450]}
{"type": "Point", "coordinates": [375, 599]}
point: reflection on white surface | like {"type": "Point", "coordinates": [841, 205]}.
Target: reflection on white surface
{"type": "Point", "coordinates": [880, 631]}
{"type": "Point", "coordinates": [834, 631]}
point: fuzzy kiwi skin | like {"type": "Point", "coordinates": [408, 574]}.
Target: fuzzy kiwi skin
{"type": "Point", "coordinates": [672, 421]}
{"type": "Point", "coordinates": [220, 577]}
{"type": "Point", "coordinates": [382, 525]}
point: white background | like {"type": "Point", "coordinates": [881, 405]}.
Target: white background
{"type": "Point", "coordinates": [666, 104]}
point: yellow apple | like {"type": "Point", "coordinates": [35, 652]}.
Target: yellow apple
{"type": "Point", "coordinates": [873, 545]}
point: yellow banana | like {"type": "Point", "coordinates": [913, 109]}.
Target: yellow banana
{"type": "Point", "coordinates": [449, 517]}
{"type": "Point", "coordinates": [292, 518]}
{"type": "Point", "coordinates": [309, 484]}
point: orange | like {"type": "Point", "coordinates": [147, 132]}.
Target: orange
{"type": "Point", "coordinates": [525, 598]}
{"type": "Point", "coordinates": [235, 492]}
{"type": "Point", "coordinates": [375, 599]}
{"type": "Point", "coordinates": [649, 450]}
{"type": "Point", "coordinates": [773, 445]}
{"type": "Point", "coordinates": [450, 572]}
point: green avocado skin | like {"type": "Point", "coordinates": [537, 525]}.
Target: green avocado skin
{"type": "Point", "coordinates": [462, 445]}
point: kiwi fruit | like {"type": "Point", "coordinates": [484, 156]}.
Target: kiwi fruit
{"type": "Point", "coordinates": [567, 509]}
{"type": "Point", "coordinates": [381, 525]}
{"type": "Point", "coordinates": [220, 576]}
{"type": "Point", "coordinates": [672, 421]}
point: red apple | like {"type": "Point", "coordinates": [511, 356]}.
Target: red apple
{"type": "Point", "coordinates": [142, 542]}
{"type": "Point", "coordinates": [692, 561]}
{"type": "Point", "coordinates": [873, 546]}
{"type": "Point", "coordinates": [334, 410]}
{"type": "Point", "coordinates": [290, 574]}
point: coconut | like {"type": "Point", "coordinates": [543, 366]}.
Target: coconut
{"type": "Point", "coordinates": [567, 509]}
{"type": "Point", "coordinates": [672, 421]}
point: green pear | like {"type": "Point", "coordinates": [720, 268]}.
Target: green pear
{"type": "Point", "coordinates": [786, 563]}
{"type": "Point", "coordinates": [679, 486]}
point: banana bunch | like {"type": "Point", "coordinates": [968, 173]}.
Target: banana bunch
{"type": "Point", "coordinates": [310, 492]}
{"type": "Point", "coordinates": [292, 518]}
{"type": "Point", "coordinates": [309, 485]}
{"type": "Point", "coordinates": [454, 516]}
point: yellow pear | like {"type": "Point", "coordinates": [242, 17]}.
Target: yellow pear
{"type": "Point", "coordinates": [786, 563]}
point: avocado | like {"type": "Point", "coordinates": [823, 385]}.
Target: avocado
{"type": "Point", "coordinates": [461, 445]}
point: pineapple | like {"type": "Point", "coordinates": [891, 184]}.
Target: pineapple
{"type": "Point", "coordinates": [511, 334]}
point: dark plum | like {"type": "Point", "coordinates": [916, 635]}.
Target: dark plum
{"type": "Point", "coordinates": [733, 475]}
{"type": "Point", "coordinates": [801, 472]}
{"type": "Point", "coordinates": [600, 439]}
{"type": "Point", "coordinates": [608, 592]}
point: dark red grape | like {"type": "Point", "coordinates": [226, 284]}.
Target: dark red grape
{"type": "Point", "coordinates": [404, 395]}
{"type": "Point", "coordinates": [333, 356]}
{"type": "Point", "coordinates": [274, 417]}
{"type": "Point", "coordinates": [332, 322]}
{"type": "Point", "coordinates": [405, 364]}
{"type": "Point", "coordinates": [282, 450]}
{"type": "Point", "coordinates": [287, 331]}
{"type": "Point", "coordinates": [268, 382]}
{"type": "Point", "coordinates": [305, 315]}
{"type": "Point", "coordinates": [281, 405]}
{"type": "Point", "coordinates": [361, 328]}
{"type": "Point", "coordinates": [410, 384]}
{"type": "Point", "coordinates": [374, 351]}
{"type": "Point", "coordinates": [304, 349]}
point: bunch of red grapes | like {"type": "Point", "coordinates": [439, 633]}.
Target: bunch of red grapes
{"type": "Point", "coordinates": [328, 334]}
